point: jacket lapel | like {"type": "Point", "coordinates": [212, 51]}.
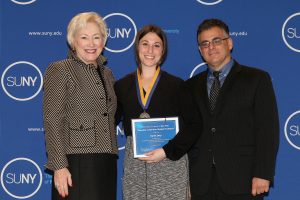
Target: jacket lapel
{"type": "Point", "coordinates": [200, 91]}
{"type": "Point", "coordinates": [227, 85]}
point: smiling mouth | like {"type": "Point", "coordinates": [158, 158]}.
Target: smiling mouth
{"type": "Point", "coordinates": [213, 53]}
{"type": "Point", "coordinates": [149, 57]}
{"type": "Point", "coordinates": [90, 50]}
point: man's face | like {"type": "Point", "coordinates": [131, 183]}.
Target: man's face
{"type": "Point", "coordinates": [215, 46]}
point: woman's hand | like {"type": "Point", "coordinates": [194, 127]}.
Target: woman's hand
{"type": "Point", "coordinates": [62, 179]}
{"type": "Point", "coordinates": [154, 156]}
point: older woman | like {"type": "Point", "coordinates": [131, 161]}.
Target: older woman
{"type": "Point", "coordinates": [79, 107]}
{"type": "Point", "coordinates": [163, 174]}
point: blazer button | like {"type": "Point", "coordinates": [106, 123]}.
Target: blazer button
{"type": "Point", "coordinates": [104, 114]}
{"type": "Point", "coordinates": [213, 130]}
{"type": "Point", "coordinates": [109, 99]}
{"type": "Point", "coordinates": [209, 150]}
{"type": "Point", "coordinates": [81, 127]}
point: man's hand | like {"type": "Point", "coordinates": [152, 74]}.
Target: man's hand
{"type": "Point", "coordinates": [259, 186]}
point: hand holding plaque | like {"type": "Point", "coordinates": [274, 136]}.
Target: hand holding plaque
{"type": "Point", "coordinates": [153, 133]}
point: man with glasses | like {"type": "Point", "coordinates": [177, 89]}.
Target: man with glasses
{"type": "Point", "coordinates": [234, 159]}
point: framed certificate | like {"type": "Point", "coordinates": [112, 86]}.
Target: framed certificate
{"type": "Point", "coordinates": [153, 133]}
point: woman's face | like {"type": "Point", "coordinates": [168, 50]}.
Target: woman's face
{"type": "Point", "coordinates": [88, 43]}
{"type": "Point", "coordinates": [150, 50]}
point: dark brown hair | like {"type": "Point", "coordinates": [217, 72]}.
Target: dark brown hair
{"type": "Point", "coordinates": [210, 23]}
{"type": "Point", "coordinates": [151, 29]}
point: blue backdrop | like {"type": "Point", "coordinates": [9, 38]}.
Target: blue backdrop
{"type": "Point", "coordinates": [266, 34]}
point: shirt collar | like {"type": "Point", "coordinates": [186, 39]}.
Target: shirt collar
{"type": "Point", "coordinates": [101, 60]}
{"type": "Point", "coordinates": [224, 71]}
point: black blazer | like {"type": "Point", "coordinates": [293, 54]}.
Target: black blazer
{"type": "Point", "coordinates": [168, 100]}
{"type": "Point", "coordinates": [242, 135]}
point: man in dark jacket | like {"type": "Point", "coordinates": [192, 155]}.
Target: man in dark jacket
{"type": "Point", "coordinates": [234, 159]}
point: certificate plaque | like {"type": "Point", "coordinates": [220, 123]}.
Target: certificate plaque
{"type": "Point", "coordinates": [153, 133]}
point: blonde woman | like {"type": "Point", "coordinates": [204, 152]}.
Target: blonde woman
{"type": "Point", "coordinates": [79, 108]}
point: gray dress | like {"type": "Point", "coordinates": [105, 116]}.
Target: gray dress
{"type": "Point", "coordinates": [165, 180]}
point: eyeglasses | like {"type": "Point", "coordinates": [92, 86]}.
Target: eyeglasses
{"type": "Point", "coordinates": [215, 42]}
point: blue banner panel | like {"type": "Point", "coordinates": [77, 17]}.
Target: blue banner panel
{"type": "Point", "coordinates": [266, 34]}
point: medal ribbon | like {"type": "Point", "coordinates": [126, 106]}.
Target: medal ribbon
{"type": "Point", "coordinates": [145, 100]}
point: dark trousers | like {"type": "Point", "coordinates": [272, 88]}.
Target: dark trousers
{"type": "Point", "coordinates": [94, 177]}
{"type": "Point", "coordinates": [215, 192]}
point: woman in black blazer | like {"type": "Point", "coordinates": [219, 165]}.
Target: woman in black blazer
{"type": "Point", "coordinates": [158, 176]}
{"type": "Point", "coordinates": [79, 109]}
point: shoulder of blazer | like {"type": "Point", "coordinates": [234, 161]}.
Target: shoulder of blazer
{"type": "Point", "coordinates": [191, 82]}
{"type": "Point", "coordinates": [62, 65]}
{"type": "Point", "coordinates": [170, 82]}
{"type": "Point", "coordinates": [126, 79]}
{"type": "Point", "coordinates": [170, 77]}
{"type": "Point", "coordinates": [124, 84]}
{"type": "Point", "coordinates": [250, 71]}
{"type": "Point", "coordinates": [58, 68]}
{"type": "Point", "coordinates": [108, 70]}
{"type": "Point", "coordinates": [108, 74]}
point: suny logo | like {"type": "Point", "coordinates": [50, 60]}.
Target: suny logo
{"type": "Point", "coordinates": [209, 2]}
{"type": "Point", "coordinates": [121, 138]}
{"type": "Point", "coordinates": [23, 2]}
{"type": "Point", "coordinates": [289, 32]}
{"type": "Point", "coordinates": [292, 129]}
{"type": "Point", "coordinates": [21, 178]}
{"type": "Point", "coordinates": [22, 81]}
{"type": "Point", "coordinates": [121, 32]}
{"type": "Point", "coordinates": [195, 70]}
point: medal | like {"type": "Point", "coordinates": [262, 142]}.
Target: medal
{"type": "Point", "coordinates": [145, 100]}
{"type": "Point", "coordinates": [144, 115]}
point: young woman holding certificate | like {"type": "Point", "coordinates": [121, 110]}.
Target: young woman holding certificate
{"type": "Point", "coordinates": [152, 93]}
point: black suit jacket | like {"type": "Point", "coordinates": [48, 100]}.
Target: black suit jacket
{"type": "Point", "coordinates": [242, 134]}
{"type": "Point", "coordinates": [169, 99]}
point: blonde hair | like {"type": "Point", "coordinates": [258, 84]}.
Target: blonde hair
{"type": "Point", "coordinates": [80, 21]}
